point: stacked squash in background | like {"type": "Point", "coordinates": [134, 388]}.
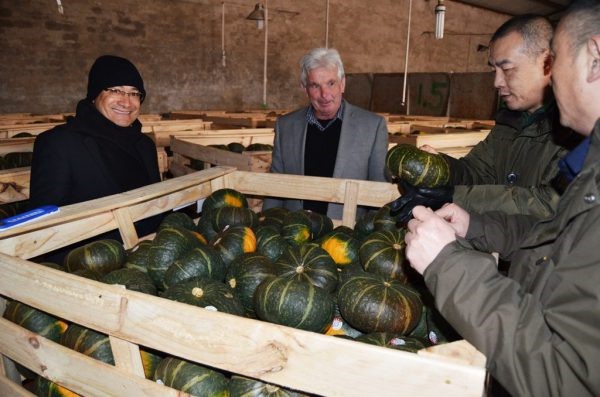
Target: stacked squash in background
{"type": "Point", "coordinates": [289, 268]}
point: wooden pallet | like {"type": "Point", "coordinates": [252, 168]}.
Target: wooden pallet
{"type": "Point", "coordinates": [281, 355]}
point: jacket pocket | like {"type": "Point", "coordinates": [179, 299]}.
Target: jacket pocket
{"type": "Point", "coordinates": [543, 279]}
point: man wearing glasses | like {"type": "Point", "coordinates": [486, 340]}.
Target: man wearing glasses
{"type": "Point", "coordinates": [101, 151]}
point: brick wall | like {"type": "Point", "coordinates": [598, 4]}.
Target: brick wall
{"type": "Point", "coordinates": [45, 56]}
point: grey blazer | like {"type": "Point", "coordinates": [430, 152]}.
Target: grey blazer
{"type": "Point", "coordinates": [361, 151]}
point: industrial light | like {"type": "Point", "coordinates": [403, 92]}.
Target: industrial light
{"type": "Point", "coordinates": [440, 12]}
{"type": "Point", "coordinates": [258, 15]}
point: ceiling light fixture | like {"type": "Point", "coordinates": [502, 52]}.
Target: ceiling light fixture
{"type": "Point", "coordinates": [258, 15]}
{"type": "Point", "coordinates": [440, 13]}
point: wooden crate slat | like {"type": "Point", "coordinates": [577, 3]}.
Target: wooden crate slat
{"type": "Point", "coordinates": [298, 359]}
{"type": "Point", "coordinates": [75, 371]}
{"type": "Point", "coordinates": [439, 141]}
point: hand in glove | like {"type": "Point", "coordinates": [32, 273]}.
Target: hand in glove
{"type": "Point", "coordinates": [412, 196]}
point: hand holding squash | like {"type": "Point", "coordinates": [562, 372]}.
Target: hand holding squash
{"type": "Point", "coordinates": [412, 196]}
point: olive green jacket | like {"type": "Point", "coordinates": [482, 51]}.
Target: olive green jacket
{"type": "Point", "coordinates": [540, 326]}
{"type": "Point", "coordinates": [511, 169]}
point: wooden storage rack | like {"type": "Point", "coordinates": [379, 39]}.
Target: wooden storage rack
{"type": "Point", "coordinates": [293, 358]}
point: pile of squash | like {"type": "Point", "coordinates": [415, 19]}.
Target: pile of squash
{"type": "Point", "coordinates": [288, 268]}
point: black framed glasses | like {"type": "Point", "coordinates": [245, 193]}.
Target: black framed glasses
{"type": "Point", "coordinates": [122, 94]}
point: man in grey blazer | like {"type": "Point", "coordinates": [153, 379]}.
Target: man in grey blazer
{"type": "Point", "coordinates": [330, 137]}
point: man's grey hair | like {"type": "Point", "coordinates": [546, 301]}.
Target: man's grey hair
{"type": "Point", "coordinates": [320, 58]}
{"type": "Point", "coordinates": [535, 30]}
{"type": "Point", "coordinates": [580, 22]}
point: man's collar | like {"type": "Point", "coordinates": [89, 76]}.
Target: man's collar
{"type": "Point", "coordinates": [311, 118]}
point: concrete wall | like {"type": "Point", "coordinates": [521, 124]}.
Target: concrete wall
{"type": "Point", "coordinates": [45, 56]}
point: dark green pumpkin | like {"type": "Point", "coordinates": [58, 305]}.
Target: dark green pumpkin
{"type": "Point", "coordinates": [194, 379]}
{"type": "Point", "coordinates": [17, 159]}
{"type": "Point", "coordinates": [340, 327]}
{"type": "Point", "coordinates": [257, 147]}
{"type": "Point", "coordinates": [269, 242]}
{"type": "Point", "coordinates": [417, 167]}
{"type": "Point", "coordinates": [234, 242]}
{"type": "Point", "coordinates": [384, 253]}
{"type": "Point", "coordinates": [236, 147]}
{"type": "Point", "coordinates": [45, 388]}
{"type": "Point", "coordinates": [89, 274]}
{"type": "Point", "coordinates": [342, 248]}
{"type": "Point", "coordinates": [308, 262]}
{"type": "Point", "coordinates": [433, 327]}
{"type": "Point", "coordinates": [202, 261]}
{"type": "Point", "coordinates": [365, 225]}
{"type": "Point", "coordinates": [394, 341]}
{"type": "Point", "coordinates": [296, 228]}
{"type": "Point", "coordinates": [233, 216]}
{"type": "Point", "coordinates": [169, 244]}
{"type": "Point", "coordinates": [205, 293]}
{"type": "Point", "coordinates": [205, 225]}
{"type": "Point", "coordinates": [224, 198]}
{"type": "Point", "coordinates": [319, 224]}
{"type": "Point", "coordinates": [179, 219]}
{"type": "Point", "coordinates": [23, 135]}
{"type": "Point", "coordinates": [102, 256]}
{"type": "Point", "coordinates": [370, 303]}
{"type": "Point", "coordinates": [294, 303]}
{"type": "Point", "coordinates": [89, 342]}
{"type": "Point", "coordinates": [273, 217]}
{"type": "Point", "coordinates": [132, 279]}
{"type": "Point", "coordinates": [137, 257]}
{"type": "Point", "coordinates": [37, 321]}
{"type": "Point", "coordinates": [383, 220]}
{"type": "Point", "coordinates": [245, 275]}
{"type": "Point", "coordinates": [240, 386]}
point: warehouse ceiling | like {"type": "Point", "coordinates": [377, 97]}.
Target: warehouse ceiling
{"type": "Point", "coordinates": [549, 8]}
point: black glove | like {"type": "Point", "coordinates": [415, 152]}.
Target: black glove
{"type": "Point", "coordinates": [434, 198]}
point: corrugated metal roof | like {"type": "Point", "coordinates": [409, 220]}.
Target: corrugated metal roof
{"type": "Point", "coordinates": [549, 8]}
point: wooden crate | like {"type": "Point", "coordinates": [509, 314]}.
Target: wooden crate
{"type": "Point", "coordinates": [441, 141]}
{"type": "Point", "coordinates": [186, 148]}
{"type": "Point", "coordinates": [210, 137]}
{"type": "Point", "coordinates": [14, 185]}
{"type": "Point", "coordinates": [281, 355]}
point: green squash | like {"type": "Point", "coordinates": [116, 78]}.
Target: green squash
{"type": "Point", "coordinates": [269, 242]}
{"type": "Point", "coordinates": [132, 279]}
{"type": "Point", "coordinates": [417, 167]}
{"type": "Point", "coordinates": [206, 293]}
{"type": "Point", "coordinates": [394, 341]}
{"type": "Point", "coordinates": [102, 256]}
{"type": "Point", "coordinates": [169, 244]}
{"type": "Point", "coordinates": [273, 217]}
{"type": "Point", "coordinates": [224, 198]}
{"type": "Point", "coordinates": [37, 321]}
{"type": "Point", "coordinates": [258, 147]}
{"type": "Point", "coordinates": [308, 262]}
{"type": "Point", "coordinates": [17, 160]}
{"type": "Point", "coordinates": [240, 386]}
{"type": "Point", "coordinates": [384, 253]}
{"type": "Point", "coordinates": [205, 225]}
{"type": "Point", "coordinates": [89, 274]}
{"type": "Point", "coordinates": [245, 275]}
{"type": "Point", "coordinates": [342, 248]}
{"type": "Point", "coordinates": [137, 257]}
{"type": "Point", "coordinates": [234, 242]}
{"type": "Point", "coordinates": [370, 303]}
{"type": "Point", "coordinates": [236, 147]}
{"type": "Point", "coordinates": [202, 261]}
{"type": "Point", "coordinates": [320, 224]}
{"type": "Point", "coordinates": [340, 327]}
{"type": "Point", "coordinates": [46, 388]}
{"type": "Point", "coordinates": [89, 342]}
{"type": "Point", "coordinates": [383, 220]}
{"type": "Point", "coordinates": [233, 216]}
{"type": "Point", "coordinates": [365, 225]}
{"type": "Point", "coordinates": [294, 303]}
{"type": "Point", "coordinates": [150, 360]}
{"type": "Point", "coordinates": [296, 228]}
{"type": "Point", "coordinates": [194, 379]}
{"type": "Point", "coordinates": [179, 219]}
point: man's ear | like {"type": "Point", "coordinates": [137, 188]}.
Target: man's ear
{"type": "Point", "coordinates": [593, 47]}
{"type": "Point", "coordinates": [547, 63]}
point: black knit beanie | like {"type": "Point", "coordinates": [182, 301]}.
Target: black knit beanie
{"type": "Point", "coordinates": [110, 71]}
